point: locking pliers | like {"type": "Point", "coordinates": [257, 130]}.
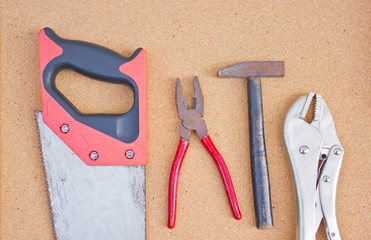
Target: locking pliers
{"type": "Point", "coordinates": [316, 156]}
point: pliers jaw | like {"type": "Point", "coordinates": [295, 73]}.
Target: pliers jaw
{"type": "Point", "coordinates": [191, 118]}
{"type": "Point", "coordinates": [308, 144]}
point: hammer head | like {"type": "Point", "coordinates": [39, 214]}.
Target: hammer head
{"type": "Point", "coordinates": [254, 69]}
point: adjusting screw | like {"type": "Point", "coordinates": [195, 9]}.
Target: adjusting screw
{"type": "Point", "coordinates": [304, 149]}
{"type": "Point", "coordinates": [94, 155]}
{"type": "Point", "coordinates": [129, 154]}
{"type": "Point", "coordinates": [65, 128]}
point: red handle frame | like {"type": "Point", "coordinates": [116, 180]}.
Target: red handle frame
{"type": "Point", "coordinates": [173, 182]}
{"type": "Point", "coordinates": [223, 170]}
{"type": "Point", "coordinates": [83, 138]}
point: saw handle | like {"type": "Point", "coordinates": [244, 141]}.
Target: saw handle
{"type": "Point", "coordinates": [99, 63]}
{"type": "Point", "coordinates": [97, 139]}
{"type": "Point", "coordinates": [88, 59]}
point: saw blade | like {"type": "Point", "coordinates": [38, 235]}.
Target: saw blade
{"type": "Point", "coordinates": [91, 202]}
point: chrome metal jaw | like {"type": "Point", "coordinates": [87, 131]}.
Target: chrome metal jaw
{"type": "Point", "coordinates": [307, 144]}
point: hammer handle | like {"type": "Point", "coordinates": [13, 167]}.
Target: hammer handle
{"type": "Point", "coordinates": [259, 166]}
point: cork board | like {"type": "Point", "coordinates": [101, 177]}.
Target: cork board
{"type": "Point", "coordinates": [326, 49]}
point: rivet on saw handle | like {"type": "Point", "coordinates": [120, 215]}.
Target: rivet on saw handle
{"type": "Point", "coordinates": [254, 71]}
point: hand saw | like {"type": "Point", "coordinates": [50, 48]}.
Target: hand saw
{"type": "Point", "coordinates": [94, 163]}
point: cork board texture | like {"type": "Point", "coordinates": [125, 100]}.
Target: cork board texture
{"type": "Point", "coordinates": [326, 49]}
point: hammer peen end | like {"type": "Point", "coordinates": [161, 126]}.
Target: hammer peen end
{"type": "Point", "coordinates": [254, 69]}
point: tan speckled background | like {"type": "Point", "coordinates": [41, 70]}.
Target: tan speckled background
{"type": "Point", "coordinates": [326, 49]}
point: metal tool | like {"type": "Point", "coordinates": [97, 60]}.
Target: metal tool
{"type": "Point", "coordinates": [254, 71]}
{"type": "Point", "coordinates": [316, 156]}
{"type": "Point", "coordinates": [192, 120]}
{"type": "Point", "coordinates": [94, 164]}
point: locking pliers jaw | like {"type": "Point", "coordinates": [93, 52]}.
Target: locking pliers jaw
{"type": "Point", "coordinates": [308, 145]}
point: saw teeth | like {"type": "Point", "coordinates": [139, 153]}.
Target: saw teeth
{"type": "Point", "coordinates": [45, 177]}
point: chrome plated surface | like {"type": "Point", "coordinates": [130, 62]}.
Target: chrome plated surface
{"type": "Point", "coordinates": [315, 201]}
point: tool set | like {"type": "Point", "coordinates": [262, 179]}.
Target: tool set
{"type": "Point", "coordinates": [95, 163]}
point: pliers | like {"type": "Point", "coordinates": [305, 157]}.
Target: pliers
{"type": "Point", "coordinates": [316, 156]}
{"type": "Point", "coordinates": [192, 120]}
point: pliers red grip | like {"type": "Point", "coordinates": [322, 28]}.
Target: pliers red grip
{"type": "Point", "coordinates": [192, 120]}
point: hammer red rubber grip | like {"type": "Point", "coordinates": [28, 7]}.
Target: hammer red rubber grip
{"type": "Point", "coordinates": [173, 182]}
{"type": "Point", "coordinates": [223, 170]}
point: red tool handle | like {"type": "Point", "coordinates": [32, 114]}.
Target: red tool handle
{"type": "Point", "coordinates": [173, 182]}
{"type": "Point", "coordinates": [223, 170]}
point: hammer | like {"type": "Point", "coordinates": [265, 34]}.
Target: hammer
{"type": "Point", "coordinates": [254, 71]}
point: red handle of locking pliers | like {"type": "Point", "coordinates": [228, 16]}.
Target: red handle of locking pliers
{"type": "Point", "coordinates": [173, 182]}
{"type": "Point", "coordinates": [223, 170]}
